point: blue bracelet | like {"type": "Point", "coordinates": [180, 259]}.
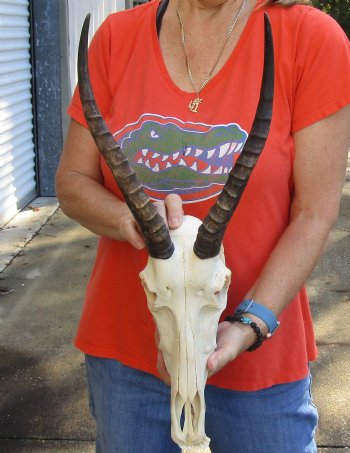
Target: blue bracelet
{"type": "Point", "coordinates": [262, 312]}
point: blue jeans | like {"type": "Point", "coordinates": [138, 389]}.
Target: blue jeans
{"type": "Point", "coordinates": [132, 414]}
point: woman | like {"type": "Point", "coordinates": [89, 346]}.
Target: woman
{"type": "Point", "coordinates": [171, 73]}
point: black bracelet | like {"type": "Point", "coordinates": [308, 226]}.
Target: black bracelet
{"type": "Point", "coordinates": [253, 325]}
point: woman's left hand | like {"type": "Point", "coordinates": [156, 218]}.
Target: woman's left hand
{"type": "Point", "coordinates": [232, 339]}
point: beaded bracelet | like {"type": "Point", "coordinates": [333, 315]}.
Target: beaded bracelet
{"type": "Point", "coordinates": [253, 325]}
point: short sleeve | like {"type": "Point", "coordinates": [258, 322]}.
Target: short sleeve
{"type": "Point", "coordinates": [99, 61]}
{"type": "Point", "coordinates": [322, 70]}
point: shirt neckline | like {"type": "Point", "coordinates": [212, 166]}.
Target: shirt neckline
{"type": "Point", "coordinates": [223, 71]}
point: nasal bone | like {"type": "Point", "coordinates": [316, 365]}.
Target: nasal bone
{"type": "Point", "coordinates": [187, 376]}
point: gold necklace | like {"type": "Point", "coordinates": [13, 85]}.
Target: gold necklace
{"type": "Point", "coordinates": [194, 104]}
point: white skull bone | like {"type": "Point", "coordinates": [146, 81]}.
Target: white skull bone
{"type": "Point", "coordinates": [186, 296]}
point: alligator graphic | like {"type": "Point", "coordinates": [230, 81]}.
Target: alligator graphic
{"type": "Point", "coordinates": [186, 158]}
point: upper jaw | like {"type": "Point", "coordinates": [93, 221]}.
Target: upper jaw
{"type": "Point", "coordinates": [188, 412]}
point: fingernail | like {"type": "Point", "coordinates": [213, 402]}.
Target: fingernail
{"type": "Point", "coordinates": [174, 222]}
{"type": "Point", "coordinates": [139, 245]}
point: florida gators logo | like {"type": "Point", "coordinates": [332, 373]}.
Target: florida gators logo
{"type": "Point", "coordinates": [190, 159]}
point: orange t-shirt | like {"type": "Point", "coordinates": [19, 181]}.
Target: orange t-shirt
{"type": "Point", "coordinates": [174, 150]}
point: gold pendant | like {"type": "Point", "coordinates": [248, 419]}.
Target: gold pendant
{"type": "Point", "coordinates": [193, 105]}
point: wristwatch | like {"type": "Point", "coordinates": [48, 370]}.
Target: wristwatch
{"type": "Point", "coordinates": [264, 313]}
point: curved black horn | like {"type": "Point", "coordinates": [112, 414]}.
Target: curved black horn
{"type": "Point", "coordinates": [154, 230]}
{"type": "Point", "coordinates": [212, 230]}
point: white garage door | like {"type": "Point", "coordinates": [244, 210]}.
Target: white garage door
{"type": "Point", "coordinates": [17, 173]}
{"type": "Point", "coordinates": [77, 11]}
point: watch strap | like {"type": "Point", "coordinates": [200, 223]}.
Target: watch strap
{"type": "Point", "coordinates": [262, 312]}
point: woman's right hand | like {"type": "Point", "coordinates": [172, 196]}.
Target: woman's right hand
{"type": "Point", "coordinates": [82, 196]}
{"type": "Point", "coordinates": [170, 209]}
{"type": "Point", "coordinates": [128, 228]}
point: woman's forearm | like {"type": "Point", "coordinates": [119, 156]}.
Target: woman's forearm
{"type": "Point", "coordinates": [82, 196]}
{"type": "Point", "coordinates": [291, 262]}
{"type": "Point", "coordinates": [318, 173]}
{"type": "Point", "coordinates": [92, 205]}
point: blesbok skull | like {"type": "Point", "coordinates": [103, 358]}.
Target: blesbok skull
{"type": "Point", "coordinates": [186, 296]}
{"type": "Point", "coordinates": [185, 280]}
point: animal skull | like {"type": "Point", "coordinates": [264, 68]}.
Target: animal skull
{"type": "Point", "coordinates": [186, 296]}
{"type": "Point", "coordinates": [186, 280]}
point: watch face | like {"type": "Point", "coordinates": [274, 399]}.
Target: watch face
{"type": "Point", "coordinates": [277, 326]}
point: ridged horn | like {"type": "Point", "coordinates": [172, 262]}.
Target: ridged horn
{"type": "Point", "coordinates": [212, 230]}
{"type": "Point", "coordinates": [152, 225]}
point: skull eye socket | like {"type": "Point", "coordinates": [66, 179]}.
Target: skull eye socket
{"type": "Point", "coordinates": [224, 287]}
{"type": "Point", "coordinates": [151, 295]}
{"type": "Point", "coordinates": [227, 281]}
